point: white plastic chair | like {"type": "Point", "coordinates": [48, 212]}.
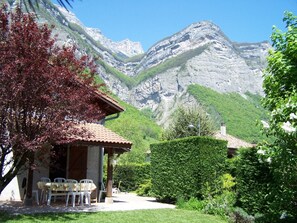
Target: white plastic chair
{"type": "Point", "coordinates": [59, 180]}
{"type": "Point", "coordinates": [73, 186]}
{"type": "Point", "coordinates": [86, 190]}
{"type": "Point", "coordinates": [43, 194]}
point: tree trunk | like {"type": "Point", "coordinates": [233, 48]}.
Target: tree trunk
{"type": "Point", "coordinates": [28, 198]}
{"type": "Point", "coordinates": [18, 162]}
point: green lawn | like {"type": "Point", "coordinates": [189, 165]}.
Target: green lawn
{"type": "Point", "coordinates": [143, 216]}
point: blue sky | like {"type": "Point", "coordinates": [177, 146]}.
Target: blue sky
{"type": "Point", "coordinates": [148, 21]}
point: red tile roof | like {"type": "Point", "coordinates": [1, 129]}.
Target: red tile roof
{"type": "Point", "coordinates": [111, 106]}
{"type": "Point", "coordinates": [102, 136]}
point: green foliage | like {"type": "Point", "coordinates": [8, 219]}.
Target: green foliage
{"type": "Point", "coordinates": [280, 84]}
{"type": "Point", "coordinates": [192, 204]}
{"type": "Point", "coordinates": [280, 87]}
{"type": "Point", "coordinates": [139, 129]}
{"type": "Point", "coordinates": [170, 63]}
{"type": "Point", "coordinates": [183, 117]}
{"type": "Point", "coordinates": [145, 189]}
{"type": "Point", "coordinates": [181, 167]}
{"type": "Point", "coordinates": [130, 176]}
{"type": "Point", "coordinates": [281, 76]}
{"type": "Point", "coordinates": [100, 82]}
{"type": "Point", "coordinates": [239, 114]}
{"type": "Point", "coordinates": [128, 81]}
{"type": "Point", "coordinates": [220, 199]}
{"type": "Point", "coordinates": [148, 113]}
{"type": "Point", "coordinates": [240, 216]}
{"type": "Point", "coordinates": [258, 189]}
{"type": "Point", "coordinates": [217, 201]}
{"type": "Point", "coordinates": [135, 58]}
{"type": "Point", "coordinates": [252, 177]}
{"type": "Point", "coordinates": [220, 205]}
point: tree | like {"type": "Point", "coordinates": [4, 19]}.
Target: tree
{"type": "Point", "coordinates": [189, 121]}
{"type": "Point", "coordinates": [44, 89]}
{"type": "Point", "coordinates": [280, 87]}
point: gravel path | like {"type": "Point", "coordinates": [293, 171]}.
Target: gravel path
{"type": "Point", "coordinates": [122, 202]}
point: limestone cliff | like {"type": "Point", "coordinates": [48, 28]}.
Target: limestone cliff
{"type": "Point", "coordinates": [199, 54]}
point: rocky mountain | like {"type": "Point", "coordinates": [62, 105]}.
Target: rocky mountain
{"type": "Point", "coordinates": [200, 54]}
{"type": "Point", "coordinates": [158, 79]}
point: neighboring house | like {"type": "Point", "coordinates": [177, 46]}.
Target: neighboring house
{"type": "Point", "coordinates": [80, 159]}
{"type": "Point", "coordinates": [233, 142]}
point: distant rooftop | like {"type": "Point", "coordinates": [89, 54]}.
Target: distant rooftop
{"type": "Point", "coordinates": [233, 142]}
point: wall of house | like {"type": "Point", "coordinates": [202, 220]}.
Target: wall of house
{"type": "Point", "coordinates": [93, 166]}
{"type": "Point", "coordinates": [93, 163]}
{"type": "Point", "coordinates": [15, 190]}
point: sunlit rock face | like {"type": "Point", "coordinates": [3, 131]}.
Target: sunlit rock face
{"type": "Point", "coordinates": [208, 58]}
{"type": "Point", "coordinates": [199, 54]}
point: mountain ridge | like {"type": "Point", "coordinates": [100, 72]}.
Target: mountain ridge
{"type": "Point", "coordinates": [220, 64]}
{"type": "Point", "coordinates": [159, 78]}
{"type": "Point", "coordinates": [126, 46]}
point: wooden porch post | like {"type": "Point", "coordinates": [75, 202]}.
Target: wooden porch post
{"type": "Point", "coordinates": [110, 153]}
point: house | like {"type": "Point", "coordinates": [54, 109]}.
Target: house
{"type": "Point", "coordinates": [80, 159]}
{"type": "Point", "coordinates": [233, 143]}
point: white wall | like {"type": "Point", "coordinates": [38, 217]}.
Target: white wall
{"type": "Point", "coordinates": [14, 190]}
{"type": "Point", "coordinates": [93, 164]}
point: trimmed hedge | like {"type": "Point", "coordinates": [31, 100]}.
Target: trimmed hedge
{"type": "Point", "coordinates": [182, 167]}
{"type": "Point", "coordinates": [130, 176]}
{"type": "Point", "coordinates": [253, 181]}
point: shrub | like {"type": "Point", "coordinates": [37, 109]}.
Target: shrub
{"type": "Point", "coordinates": [130, 176]}
{"type": "Point", "coordinates": [240, 216]}
{"type": "Point", "coordinates": [145, 189]}
{"type": "Point", "coordinates": [219, 204]}
{"type": "Point", "coordinates": [219, 201]}
{"type": "Point", "coordinates": [254, 181]}
{"type": "Point", "coordinates": [191, 204]}
{"type": "Point", "coordinates": [181, 167]}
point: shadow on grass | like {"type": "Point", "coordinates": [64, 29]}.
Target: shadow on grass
{"type": "Point", "coordinates": [47, 217]}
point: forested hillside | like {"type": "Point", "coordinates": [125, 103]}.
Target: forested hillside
{"type": "Point", "coordinates": [140, 128]}
{"type": "Point", "coordinates": [241, 114]}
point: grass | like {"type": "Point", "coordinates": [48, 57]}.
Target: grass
{"type": "Point", "coordinates": [144, 216]}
